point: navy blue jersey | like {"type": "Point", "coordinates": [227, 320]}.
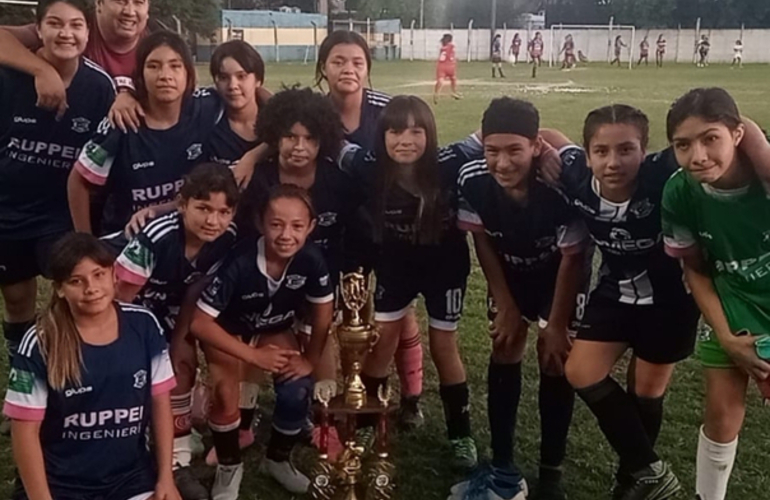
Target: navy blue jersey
{"type": "Point", "coordinates": [371, 108]}
{"type": "Point", "coordinates": [335, 200]}
{"type": "Point", "coordinates": [402, 208]}
{"type": "Point", "coordinates": [155, 260]}
{"type": "Point", "coordinates": [225, 146]}
{"type": "Point", "coordinates": [37, 151]}
{"type": "Point", "coordinates": [635, 268]}
{"type": "Point", "coordinates": [145, 168]}
{"type": "Point", "coordinates": [246, 301]}
{"type": "Point", "coordinates": [93, 435]}
{"type": "Point", "coordinates": [529, 239]}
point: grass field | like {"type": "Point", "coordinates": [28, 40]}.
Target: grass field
{"type": "Point", "coordinates": [563, 98]}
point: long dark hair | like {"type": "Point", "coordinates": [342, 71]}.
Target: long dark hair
{"type": "Point", "coordinates": [44, 5]}
{"type": "Point", "coordinates": [340, 37]}
{"type": "Point", "coordinates": [152, 42]}
{"type": "Point", "coordinates": [243, 53]}
{"type": "Point", "coordinates": [396, 116]}
{"type": "Point", "coordinates": [713, 105]}
{"type": "Point", "coordinates": [57, 333]}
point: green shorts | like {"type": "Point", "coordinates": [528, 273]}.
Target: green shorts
{"type": "Point", "coordinates": [710, 351]}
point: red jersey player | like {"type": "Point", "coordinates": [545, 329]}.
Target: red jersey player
{"type": "Point", "coordinates": [446, 69]}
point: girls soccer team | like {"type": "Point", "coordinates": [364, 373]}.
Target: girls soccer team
{"type": "Point", "coordinates": [332, 181]}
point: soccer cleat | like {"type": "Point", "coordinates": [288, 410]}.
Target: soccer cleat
{"type": "Point", "coordinates": [227, 482]}
{"type": "Point", "coordinates": [491, 483]}
{"type": "Point", "coordinates": [410, 416]}
{"type": "Point", "coordinates": [188, 485]}
{"type": "Point", "coordinates": [654, 482]}
{"type": "Point", "coordinates": [286, 475]}
{"type": "Point", "coordinates": [465, 453]}
{"type": "Point", "coordinates": [245, 439]}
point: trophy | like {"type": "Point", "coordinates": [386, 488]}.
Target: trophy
{"type": "Point", "coordinates": [351, 477]}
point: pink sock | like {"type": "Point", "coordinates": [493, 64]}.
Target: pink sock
{"type": "Point", "coordinates": [409, 360]}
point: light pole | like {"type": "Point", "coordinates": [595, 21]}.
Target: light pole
{"type": "Point", "coordinates": [422, 14]}
{"type": "Point", "coordinates": [494, 25]}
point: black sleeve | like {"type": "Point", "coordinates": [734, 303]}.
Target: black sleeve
{"type": "Point", "coordinates": [575, 170]}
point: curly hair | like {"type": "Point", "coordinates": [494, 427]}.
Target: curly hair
{"type": "Point", "coordinates": [301, 105]}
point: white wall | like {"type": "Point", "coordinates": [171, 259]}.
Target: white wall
{"type": "Point", "coordinates": [424, 44]}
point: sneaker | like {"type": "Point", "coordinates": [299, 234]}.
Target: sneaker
{"type": "Point", "coordinates": [287, 475]}
{"type": "Point", "coordinates": [245, 439]}
{"type": "Point", "coordinates": [227, 482]}
{"type": "Point", "coordinates": [549, 490]}
{"type": "Point", "coordinates": [492, 483]}
{"type": "Point", "coordinates": [465, 454]}
{"type": "Point", "coordinates": [188, 485]}
{"type": "Point", "coordinates": [410, 416]}
{"type": "Point", "coordinates": [622, 484]}
{"type": "Point", "coordinates": [654, 482]}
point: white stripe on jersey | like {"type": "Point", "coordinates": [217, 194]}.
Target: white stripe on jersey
{"type": "Point", "coordinates": [134, 308]}
{"type": "Point", "coordinates": [377, 98]}
{"type": "Point", "coordinates": [609, 211]}
{"type": "Point", "coordinates": [471, 170]}
{"type": "Point", "coordinates": [28, 342]}
{"type": "Point", "coordinates": [233, 229]}
{"type": "Point", "coordinates": [91, 64]}
{"type": "Point", "coordinates": [159, 225]}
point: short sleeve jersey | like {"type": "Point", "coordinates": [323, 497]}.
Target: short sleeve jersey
{"type": "Point", "coordinates": [529, 239]}
{"type": "Point", "coordinates": [37, 151]}
{"type": "Point", "coordinates": [536, 47]}
{"type": "Point", "coordinates": [246, 301]}
{"type": "Point", "coordinates": [447, 54]}
{"type": "Point", "coordinates": [662, 45]}
{"type": "Point", "coordinates": [225, 146]}
{"type": "Point", "coordinates": [635, 269]}
{"type": "Point", "coordinates": [497, 47]}
{"type": "Point", "coordinates": [371, 109]}
{"type": "Point", "coordinates": [402, 207]}
{"type": "Point", "coordinates": [335, 200]}
{"type": "Point", "coordinates": [145, 168]}
{"type": "Point", "coordinates": [93, 435]}
{"type": "Point", "coordinates": [155, 260]}
{"type": "Point", "coordinates": [731, 230]}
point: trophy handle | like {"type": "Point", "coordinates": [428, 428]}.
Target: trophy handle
{"type": "Point", "coordinates": [374, 339]}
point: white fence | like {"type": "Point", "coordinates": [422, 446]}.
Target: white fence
{"type": "Point", "coordinates": [473, 44]}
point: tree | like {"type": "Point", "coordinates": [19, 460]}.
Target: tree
{"type": "Point", "coordinates": [197, 16]}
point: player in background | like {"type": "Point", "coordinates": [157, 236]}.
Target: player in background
{"type": "Point", "coordinates": [411, 187]}
{"type": "Point", "coordinates": [535, 47]}
{"type": "Point", "coordinates": [345, 63]}
{"type": "Point", "coordinates": [531, 246]}
{"type": "Point", "coordinates": [703, 48]}
{"type": "Point", "coordinates": [157, 269]}
{"type": "Point", "coordinates": [639, 303]}
{"type": "Point", "coordinates": [644, 52]}
{"type": "Point", "coordinates": [497, 56]}
{"type": "Point", "coordinates": [715, 214]}
{"type": "Point", "coordinates": [568, 49]}
{"type": "Point", "coordinates": [660, 50]}
{"type": "Point", "coordinates": [37, 153]}
{"type": "Point", "coordinates": [116, 27]}
{"type": "Point", "coordinates": [515, 49]}
{"type": "Point", "coordinates": [88, 383]}
{"type": "Point", "coordinates": [618, 48]}
{"type": "Point", "coordinates": [446, 68]}
{"type": "Point", "coordinates": [738, 54]}
{"type": "Point", "coordinates": [246, 315]}
{"type": "Point", "coordinates": [144, 168]}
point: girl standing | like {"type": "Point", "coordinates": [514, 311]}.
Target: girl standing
{"type": "Point", "coordinates": [515, 49]}
{"type": "Point", "coordinates": [660, 50]}
{"type": "Point", "coordinates": [446, 68]}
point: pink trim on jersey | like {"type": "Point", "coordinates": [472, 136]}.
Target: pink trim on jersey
{"type": "Point", "coordinates": [89, 174]}
{"type": "Point", "coordinates": [679, 252]}
{"type": "Point", "coordinates": [164, 387]}
{"type": "Point", "coordinates": [127, 275]}
{"type": "Point", "coordinates": [17, 412]}
{"type": "Point", "coordinates": [469, 226]}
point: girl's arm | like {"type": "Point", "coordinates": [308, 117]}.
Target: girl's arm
{"type": "Point", "coordinates": [79, 197]}
{"type": "Point", "coordinates": [163, 434]}
{"type": "Point", "coordinates": [126, 292]}
{"type": "Point", "coordinates": [740, 348]}
{"type": "Point", "coordinates": [757, 148]}
{"type": "Point", "coordinates": [28, 454]}
{"type": "Point", "coordinates": [321, 315]}
{"type": "Point", "coordinates": [243, 170]}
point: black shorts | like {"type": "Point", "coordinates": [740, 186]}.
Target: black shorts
{"type": "Point", "coordinates": [533, 295]}
{"type": "Point", "coordinates": [136, 485]}
{"type": "Point", "coordinates": [25, 259]}
{"type": "Point", "coordinates": [658, 333]}
{"type": "Point", "coordinates": [497, 58]}
{"type": "Point", "coordinates": [440, 275]}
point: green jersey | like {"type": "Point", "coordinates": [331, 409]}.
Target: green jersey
{"type": "Point", "coordinates": [732, 230]}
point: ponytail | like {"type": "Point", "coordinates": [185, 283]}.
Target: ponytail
{"type": "Point", "coordinates": [60, 343]}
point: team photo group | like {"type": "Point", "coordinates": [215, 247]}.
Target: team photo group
{"type": "Point", "coordinates": [155, 232]}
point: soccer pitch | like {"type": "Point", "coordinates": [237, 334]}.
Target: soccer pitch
{"type": "Point", "coordinates": [564, 98]}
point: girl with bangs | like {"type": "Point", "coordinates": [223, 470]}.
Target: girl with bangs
{"type": "Point", "coordinates": [345, 64]}
{"type": "Point", "coordinates": [412, 200]}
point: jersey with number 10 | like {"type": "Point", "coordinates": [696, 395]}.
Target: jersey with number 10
{"type": "Point", "coordinates": [731, 230]}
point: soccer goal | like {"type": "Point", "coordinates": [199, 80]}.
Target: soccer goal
{"type": "Point", "coordinates": [594, 42]}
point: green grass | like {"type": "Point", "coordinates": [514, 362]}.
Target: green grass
{"type": "Point", "coordinates": [563, 98]}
